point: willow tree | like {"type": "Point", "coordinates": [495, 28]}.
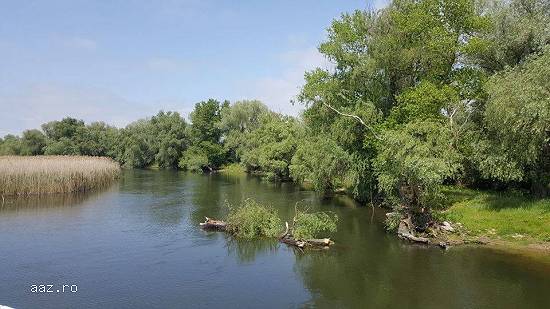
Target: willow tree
{"type": "Point", "coordinates": [516, 144]}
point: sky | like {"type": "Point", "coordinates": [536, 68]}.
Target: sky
{"type": "Point", "coordinates": [121, 60]}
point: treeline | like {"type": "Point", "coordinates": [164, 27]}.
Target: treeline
{"type": "Point", "coordinates": [214, 137]}
{"type": "Point", "coordinates": [421, 94]}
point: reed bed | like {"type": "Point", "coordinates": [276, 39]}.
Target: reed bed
{"type": "Point", "coordinates": [54, 174]}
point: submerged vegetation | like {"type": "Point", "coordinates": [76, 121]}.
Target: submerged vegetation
{"type": "Point", "coordinates": [419, 95]}
{"type": "Point", "coordinates": [54, 174]}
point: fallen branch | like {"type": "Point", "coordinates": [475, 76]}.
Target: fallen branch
{"type": "Point", "coordinates": [286, 237]}
{"type": "Point", "coordinates": [405, 231]}
{"type": "Point", "coordinates": [212, 224]}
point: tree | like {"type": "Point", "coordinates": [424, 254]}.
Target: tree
{"type": "Point", "coordinates": [204, 121]}
{"type": "Point", "coordinates": [206, 152]}
{"type": "Point", "coordinates": [33, 142]}
{"type": "Point", "coordinates": [516, 144]}
{"type": "Point", "coordinates": [136, 147]}
{"type": "Point", "coordinates": [97, 139]}
{"type": "Point", "coordinates": [170, 134]}
{"type": "Point", "coordinates": [412, 163]}
{"type": "Point", "coordinates": [61, 136]}
{"type": "Point", "coordinates": [322, 162]}
{"type": "Point", "coordinates": [269, 149]}
{"type": "Point", "coordinates": [204, 157]}
{"type": "Point", "coordinates": [237, 120]}
{"type": "Point", "coordinates": [11, 145]}
{"type": "Point", "coordinates": [67, 127]}
{"type": "Point", "coordinates": [514, 30]}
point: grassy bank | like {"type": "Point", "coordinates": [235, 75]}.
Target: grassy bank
{"type": "Point", "coordinates": [54, 174]}
{"type": "Point", "coordinates": [501, 217]}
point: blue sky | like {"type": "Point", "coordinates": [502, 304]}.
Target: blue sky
{"type": "Point", "coordinates": [117, 61]}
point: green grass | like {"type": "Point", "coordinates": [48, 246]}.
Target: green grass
{"type": "Point", "coordinates": [510, 216]}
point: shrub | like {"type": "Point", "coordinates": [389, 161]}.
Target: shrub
{"type": "Point", "coordinates": [311, 225]}
{"type": "Point", "coordinates": [252, 219]}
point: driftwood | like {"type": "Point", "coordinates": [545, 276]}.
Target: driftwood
{"type": "Point", "coordinates": [212, 224]}
{"type": "Point", "coordinates": [406, 231]}
{"type": "Point", "coordinates": [286, 237]}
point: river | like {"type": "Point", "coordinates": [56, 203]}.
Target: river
{"type": "Point", "coordinates": [137, 244]}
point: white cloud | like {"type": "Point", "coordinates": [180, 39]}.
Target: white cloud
{"type": "Point", "coordinates": [278, 91]}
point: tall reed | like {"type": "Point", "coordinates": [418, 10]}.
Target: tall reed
{"type": "Point", "coordinates": [54, 174]}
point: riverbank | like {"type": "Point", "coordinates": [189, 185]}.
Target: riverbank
{"type": "Point", "coordinates": [509, 219]}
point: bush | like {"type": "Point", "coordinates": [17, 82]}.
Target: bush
{"type": "Point", "coordinates": [252, 219]}
{"type": "Point", "coordinates": [311, 225]}
{"type": "Point", "coordinates": [392, 221]}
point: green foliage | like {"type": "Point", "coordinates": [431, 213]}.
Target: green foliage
{"type": "Point", "coordinates": [236, 121]}
{"type": "Point", "coordinates": [251, 219]}
{"type": "Point", "coordinates": [517, 117]}
{"type": "Point", "coordinates": [170, 134]}
{"type": "Point", "coordinates": [393, 219]}
{"type": "Point", "coordinates": [269, 148]}
{"type": "Point", "coordinates": [11, 145]}
{"type": "Point", "coordinates": [413, 162]}
{"type": "Point", "coordinates": [233, 169]}
{"type": "Point", "coordinates": [62, 136]}
{"type": "Point", "coordinates": [312, 225]}
{"type": "Point", "coordinates": [203, 157]}
{"type": "Point", "coordinates": [33, 142]}
{"type": "Point", "coordinates": [321, 162]}
{"type": "Point", "coordinates": [160, 139]}
{"type": "Point", "coordinates": [204, 121]}
{"type": "Point", "coordinates": [67, 127]}
{"type": "Point", "coordinates": [136, 145]}
{"type": "Point", "coordinates": [97, 139]}
{"type": "Point", "coordinates": [418, 94]}
{"type": "Point", "coordinates": [423, 102]}
{"type": "Point", "coordinates": [514, 30]}
{"type": "Point", "coordinates": [206, 152]}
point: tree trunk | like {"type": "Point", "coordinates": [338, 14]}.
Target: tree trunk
{"type": "Point", "coordinates": [406, 231]}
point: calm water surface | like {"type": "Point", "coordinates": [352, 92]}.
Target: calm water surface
{"type": "Point", "coordinates": [137, 244]}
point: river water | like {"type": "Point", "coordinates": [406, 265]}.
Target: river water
{"type": "Point", "coordinates": [137, 245]}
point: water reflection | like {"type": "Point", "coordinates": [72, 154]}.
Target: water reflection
{"type": "Point", "coordinates": [39, 203]}
{"type": "Point", "coordinates": [246, 251]}
{"type": "Point", "coordinates": [138, 244]}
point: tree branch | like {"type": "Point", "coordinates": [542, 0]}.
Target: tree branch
{"type": "Point", "coordinates": [354, 117]}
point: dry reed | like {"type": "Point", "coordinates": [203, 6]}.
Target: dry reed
{"type": "Point", "coordinates": [54, 174]}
